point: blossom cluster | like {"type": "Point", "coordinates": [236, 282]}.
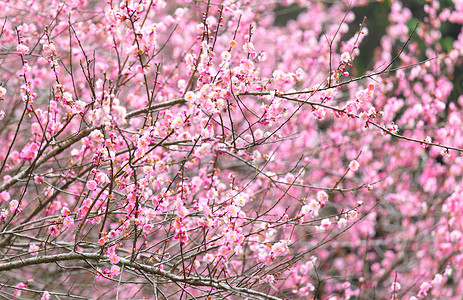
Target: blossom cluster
{"type": "Point", "coordinates": [205, 149]}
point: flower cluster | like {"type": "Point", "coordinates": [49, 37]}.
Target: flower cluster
{"type": "Point", "coordinates": [220, 150]}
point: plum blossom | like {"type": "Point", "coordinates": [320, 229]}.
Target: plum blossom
{"type": "Point", "coordinates": [326, 223]}
{"type": "Point", "coordinates": [33, 248]}
{"type": "Point", "coordinates": [14, 206]}
{"type": "Point", "coordinates": [20, 286]}
{"type": "Point", "coordinates": [322, 197]}
{"type": "Point", "coordinates": [91, 185]}
{"type": "Point", "coordinates": [148, 228]}
{"type": "Point", "coordinates": [172, 142]}
{"type": "Point", "coordinates": [68, 221]}
{"type": "Point", "coordinates": [115, 270]}
{"type": "Point", "coordinates": [4, 196]}
{"type": "Point", "coordinates": [233, 210]}
{"type": "Point", "coordinates": [190, 96]}
{"type": "Point", "coordinates": [395, 287]}
{"type": "Point", "coordinates": [424, 288]}
{"type": "Point", "coordinates": [208, 258]}
{"type": "Point", "coordinates": [354, 165]}
{"type": "Point", "coordinates": [342, 222]}
{"type": "Point", "coordinates": [226, 55]}
{"type": "Point", "coordinates": [248, 47]}
{"type": "Point", "coordinates": [22, 49]}
{"type": "Point", "coordinates": [114, 259]}
{"type": "Point", "coordinates": [345, 57]}
{"type": "Point", "coordinates": [46, 296]}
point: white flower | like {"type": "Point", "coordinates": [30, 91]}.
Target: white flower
{"type": "Point", "coordinates": [345, 57]}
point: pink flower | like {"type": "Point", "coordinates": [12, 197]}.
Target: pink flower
{"type": "Point", "coordinates": [233, 210]}
{"type": "Point", "coordinates": [91, 185]}
{"type": "Point", "coordinates": [45, 296]}
{"type": "Point", "coordinates": [395, 287]}
{"type": "Point", "coordinates": [78, 106]}
{"type": "Point", "coordinates": [115, 271]}
{"type": "Point", "coordinates": [50, 48]}
{"type": "Point", "coordinates": [33, 248]}
{"type": "Point", "coordinates": [232, 236]}
{"type": "Point", "coordinates": [280, 248]}
{"type": "Point", "coordinates": [313, 207]}
{"type": "Point", "coordinates": [114, 259]}
{"type": "Point", "coordinates": [279, 76]}
{"type": "Point", "coordinates": [65, 211]}
{"type": "Point", "coordinates": [305, 209]}
{"type": "Point", "coordinates": [326, 223]}
{"type": "Point", "coordinates": [4, 196]}
{"type": "Point", "coordinates": [53, 230]}
{"type": "Point", "coordinates": [177, 122]}
{"type": "Point", "coordinates": [322, 197]}
{"type": "Point", "coordinates": [249, 47]}
{"type": "Point", "coordinates": [3, 215]}
{"type": "Point", "coordinates": [39, 179]}
{"type": "Point", "coordinates": [182, 211]}
{"type": "Point", "coordinates": [29, 151]}
{"type": "Point", "coordinates": [342, 223]}
{"type": "Point", "coordinates": [87, 202]}
{"type": "Point", "coordinates": [354, 165]}
{"type": "Point", "coordinates": [424, 288]}
{"type": "Point", "coordinates": [22, 49]}
{"type": "Point", "coordinates": [190, 96]}
{"type": "Point", "coordinates": [102, 178]}
{"type": "Point", "coordinates": [208, 258]}
{"type": "Point", "coordinates": [68, 221]}
{"type": "Point", "coordinates": [147, 228]}
{"type": "Point", "coordinates": [143, 144]}
{"type": "Point", "coordinates": [345, 57]}
{"type": "Point", "coordinates": [393, 128]}
{"type": "Point", "coordinates": [14, 205]}
{"type": "Point", "coordinates": [427, 140]}
{"type": "Point", "coordinates": [269, 278]}
{"type": "Point", "coordinates": [20, 286]}
{"type": "Point", "coordinates": [223, 251]}
{"type": "Point", "coordinates": [352, 214]}
{"type": "Point", "coordinates": [150, 213]}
